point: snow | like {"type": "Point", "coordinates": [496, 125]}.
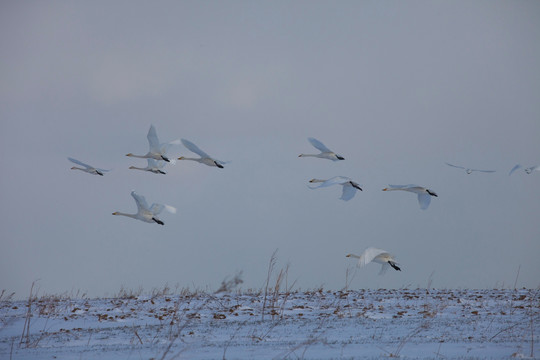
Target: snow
{"type": "Point", "coordinates": [367, 324]}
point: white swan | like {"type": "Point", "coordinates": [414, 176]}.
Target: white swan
{"type": "Point", "coordinates": [157, 151]}
{"type": "Point", "coordinates": [376, 255]}
{"type": "Point", "coordinates": [153, 166]}
{"type": "Point", "coordinates": [527, 170]}
{"type": "Point", "coordinates": [87, 168]}
{"type": "Point", "coordinates": [349, 186]}
{"type": "Point", "coordinates": [204, 157]}
{"type": "Point", "coordinates": [424, 195]}
{"type": "Point", "coordinates": [468, 170]}
{"type": "Point", "coordinates": [326, 153]}
{"type": "Point", "coordinates": [147, 213]}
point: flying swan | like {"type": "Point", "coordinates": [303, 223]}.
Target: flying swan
{"type": "Point", "coordinates": [424, 195]}
{"type": "Point", "coordinates": [527, 170]}
{"type": "Point", "coordinates": [326, 153]}
{"type": "Point", "coordinates": [468, 170]}
{"type": "Point", "coordinates": [87, 168]}
{"type": "Point", "coordinates": [349, 186]}
{"type": "Point", "coordinates": [157, 151]}
{"type": "Point", "coordinates": [204, 157]}
{"type": "Point", "coordinates": [146, 213]}
{"type": "Point", "coordinates": [379, 256]}
{"type": "Point", "coordinates": [153, 166]}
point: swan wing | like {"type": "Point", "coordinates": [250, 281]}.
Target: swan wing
{"type": "Point", "coordinates": [140, 201]}
{"type": "Point", "coordinates": [348, 192]}
{"type": "Point", "coordinates": [456, 166]}
{"type": "Point", "coordinates": [384, 268]}
{"type": "Point", "coordinates": [158, 208]}
{"type": "Point", "coordinates": [80, 163]}
{"type": "Point", "coordinates": [336, 180]}
{"type": "Point", "coordinates": [319, 145]}
{"type": "Point", "coordinates": [157, 164]}
{"type": "Point", "coordinates": [166, 146]}
{"type": "Point", "coordinates": [484, 171]}
{"type": "Point", "coordinates": [424, 199]}
{"type": "Point", "coordinates": [398, 187]}
{"type": "Point", "coordinates": [153, 139]}
{"type": "Point", "coordinates": [170, 209]}
{"type": "Point", "coordinates": [514, 169]}
{"type": "Point", "coordinates": [368, 255]}
{"type": "Point", "coordinates": [152, 163]}
{"type": "Point", "coordinates": [194, 148]}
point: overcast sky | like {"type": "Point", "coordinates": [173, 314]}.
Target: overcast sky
{"type": "Point", "coordinates": [397, 88]}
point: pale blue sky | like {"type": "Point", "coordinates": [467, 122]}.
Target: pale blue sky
{"type": "Point", "coordinates": [397, 88]}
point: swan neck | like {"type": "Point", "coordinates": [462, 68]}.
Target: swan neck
{"type": "Point", "coordinates": [124, 214]}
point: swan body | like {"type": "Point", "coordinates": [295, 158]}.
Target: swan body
{"type": "Point", "coordinates": [87, 168]}
{"type": "Point", "coordinates": [326, 153]}
{"type": "Point", "coordinates": [153, 166]}
{"type": "Point", "coordinates": [349, 186]}
{"type": "Point", "coordinates": [527, 170]}
{"type": "Point", "coordinates": [204, 157]}
{"type": "Point", "coordinates": [157, 151]}
{"type": "Point", "coordinates": [379, 256]}
{"type": "Point", "coordinates": [424, 195]}
{"type": "Point", "coordinates": [468, 170]}
{"type": "Point", "coordinates": [147, 213]}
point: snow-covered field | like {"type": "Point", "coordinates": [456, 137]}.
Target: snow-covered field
{"type": "Point", "coordinates": [409, 324]}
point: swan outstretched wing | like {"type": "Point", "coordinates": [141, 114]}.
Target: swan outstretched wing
{"type": "Point", "coordinates": [408, 187]}
{"type": "Point", "coordinates": [484, 171]}
{"type": "Point", "coordinates": [456, 166]}
{"type": "Point", "coordinates": [158, 208]}
{"type": "Point", "coordinates": [166, 146]}
{"type": "Point", "coordinates": [194, 148]}
{"type": "Point", "coordinates": [398, 186]}
{"type": "Point", "coordinates": [384, 268]}
{"type": "Point", "coordinates": [153, 163]}
{"type": "Point", "coordinates": [348, 192]}
{"type": "Point", "coordinates": [80, 163]}
{"type": "Point", "coordinates": [368, 255]}
{"type": "Point", "coordinates": [153, 139]}
{"type": "Point", "coordinates": [514, 169]}
{"type": "Point", "coordinates": [140, 201]}
{"type": "Point", "coordinates": [170, 209]}
{"type": "Point", "coordinates": [424, 199]}
{"type": "Point", "coordinates": [336, 180]}
{"type": "Point", "coordinates": [319, 145]}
